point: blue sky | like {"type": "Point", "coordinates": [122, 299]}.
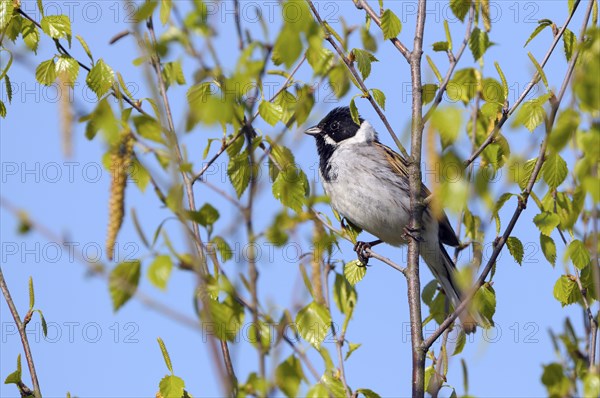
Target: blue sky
{"type": "Point", "coordinates": [91, 351]}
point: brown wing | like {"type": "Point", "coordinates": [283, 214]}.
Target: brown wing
{"type": "Point", "coordinates": [400, 166]}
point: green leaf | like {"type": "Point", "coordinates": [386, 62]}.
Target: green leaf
{"type": "Point", "coordinates": [434, 68]}
{"type": "Point", "coordinates": [67, 67]}
{"type": "Point", "coordinates": [542, 24]}
{"type": "Point", "coordinates": [57, 26]}
{"type": "Point", "coordinates": [564, 128]}
{"type": "Point", "coordinates": [351, 348]}
{"type": "Point", "coordinates": [100, 78]}
{"type": "Point", "coordinates": [6, 11]}
{"type": "Point", "coordinates": [429, 291]}
{"type": "Point", "coordinates": [313, 322]}
{"type": "Point", "coordinates": [540, 70]}
{"type": "Point", "coordinates": [460, 8]}
{"type": "Point", "coordinates": [515, 247]}
{"type": "Point", "coordinates": [165, 10]}
{"type": "Point", "coordinates": [226, 318]}
{"type": "Point", "coordinates": [554, 170]}
{"type": "Point", "coordinates": [317, 391]}
{"type": "Point", "coordinates": [532, 113]}
{"type": "Point", "coordinates": [159, 271]}
{"type": "Point", "coordinates": [502, 79]}
{"type": "Point", "coordinates": [354, 112]}
{"type": "Point", "coordinates": [429, 92]}
{"type": "Point", "coordinates": [270, 112]}
{"type": "Point", "coordinates": [485, 302]}
{"type": "Point", "coordinates": [368, 393]}
{"type": "Point", "coordinates": [390, 25]}
{"type": "Point", "coordinates": [566, 290]}
{"type": "Point", "coordinates": [15, 377]}
{"type": "Point", "coordinates": [206, 216]}
{"type": "Point", "coordinates": [288, 46]}
{"type": "Point", "coordinates": [548, 248]}
{"type": "Point", "coordinates": [173, 74]}
{"type": "Point", "coordinates": [461, 341]}
{"type": "Point", "coordinates": [569, 43]}
{"type": "Point", "coordinates": [448, 122]}
{"type": "Point", "coordinates": [546, 222]}
{"type": "Point", "coordinates": [222, 247]}
{"type": "Point", "coordinates": [291, 187]}
{"type": "Point", "coordinates": [379, 97]}
{"type": "Point", "coordinates": [44, 324]}
{"type": "Point", "coordinates": [479, 42]}
{"type": "Point", "coordinates": [344, 295]}
{"type": "Point", "coordinates": [148, 127]}
{"type": "Point", "coordinates": [288, 376]}
{"type": "Point", "coordinates": [238, 171]}
{"type": "Point", "coordinates": [354, 271]}
{"type": "Point", "coordinates": [45, 73]}
{"type": "Point", "coordinates": [555, 380]}
{"type": "Point", "coordinates": [165, 354]}
{"type": "Point", "coordinates": [334, 385]}
{"type": "Point", "coordinates": [578, 254]}
{"type": "Point", "coordinates": [591, 385]}
{"type": "Point", "coordinates": [441, 46]}
{"type": "Point", "coordinates": [123, 282]}
{"type": "Point", "coordinates": [86, 48]}
{"type": "Point", "coordinates": [363, 60]}
{"type": "Point", "coordinates": [31, 34]}
{"type": "Point", "coordinates": [463, 85]}
{"type": "Point", "coordinates": [172, 387]}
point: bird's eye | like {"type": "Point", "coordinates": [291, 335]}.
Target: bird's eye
{"type": "Point", "coordinates": [335, 125]}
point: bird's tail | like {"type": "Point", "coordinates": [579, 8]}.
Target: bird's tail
{"type": "Point", "coordinates": [443, 268]}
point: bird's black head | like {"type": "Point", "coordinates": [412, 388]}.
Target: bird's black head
{"type": "Point", "coordinates": [336, 127]}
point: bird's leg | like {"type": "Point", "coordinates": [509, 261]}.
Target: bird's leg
{"type": "Point", "coordinates": [361, 250]}
{"type": "Point", "coordinates": [411, 233]}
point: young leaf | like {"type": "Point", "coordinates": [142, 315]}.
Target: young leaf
{"type": "Point", "coordinates": [288, 376]}
{"type": "Point", "coordinates": [354, 112]}
{"type": "Point", "coordinates": [554, 170]}
{"type": "Point", "coordinates": [354, 271]}
{"type": "Point", "coordinates": [485, 301]}
{"type": "Point", "coordinates": [542, 24]}
{"type": "Point", "coordinates": [290, 188]}
{"type": "Point", "coordinates": [123, 282]}
{"type": "Point", "coordinates": [100, 78]}
{"type": "Point", "coordinates": [515, 247]}
{"type": "Point", "coordinates": [569, 42]}
{"type": "Point", "coordinates": [45, 73]}
{"type": "Point", "coordinates": [441, 46]}
{"type": "Point", "coordinates": [363, 60]}
{"type": "Point", "coordinates": [566, 290]}
{"type": "Point", "coordinates": [532, 113]}
{"type": "Point", "coordinates": [15, 377]}
{"type": "Point", "coordinates": [68, 67]}
{"type": "Point", "coordinates": [165, 354]}
{"type": "Point", "coordinates": [546, 222]}
{"type": "Point", "coordinates": [86, 48]}
{"type": "Point", "coordinates": [313, 322]}
{"type": "Point", "coordinates": [578, 254]}
{"type": "Point", "coordinates": [238, 171]}
{"type": "Point", "coordinates": [460, 8]}
{"type": "Point", "coordinates": [56, 26]}
{"type": "Point", "coordinates": [548, 248]}
{"type": "Point", "coordinates": [159, 271]}
{"type": "Point", "coordinates": [344, 295]}
{"type": "Point", "coordinates": [6, 11]}
{"type": "Point", "coordinates": [390, 25]}
{"type": "Point", "coordinates": [379, 97]}
{"type": "Point", "coordinates": [479, 43]}
{"type": "Point", "coordinates": [172, 386]}
{"type": "Point", "coordinates": [270, 112]}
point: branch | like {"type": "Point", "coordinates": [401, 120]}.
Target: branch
{"type": "Point", "coordinates": [507, 113]}
{"type": "Point", "coordinates": [499, 244]}
{"type": "Point", "coordinates": [363, 5]}
{"type": "Point", "coordinates": [453, 62]}
{"type": "Point", "coordinates": [24, 341]}
{"type": "Point", "coordinates": [365, 91]}
{"type": "Point", "coordinates": [416, 209]}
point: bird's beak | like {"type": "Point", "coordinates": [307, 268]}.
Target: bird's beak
{"type": "Point", "coordinates": [314, 130]}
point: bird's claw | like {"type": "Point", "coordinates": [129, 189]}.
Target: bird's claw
{"type": "Point", "coordinates": [361, 251]}
{"type": "Point", "coordinates": [412, 233]}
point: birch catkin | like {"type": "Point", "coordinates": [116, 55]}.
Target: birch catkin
{"type": "Point", "coordinates": [120, 162]}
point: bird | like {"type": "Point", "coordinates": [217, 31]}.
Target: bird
{"type": "Point", "coordinates": [368, 185]}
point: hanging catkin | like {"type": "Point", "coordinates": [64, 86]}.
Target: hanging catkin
{"type": "Point", "coordinates": [120, 163]}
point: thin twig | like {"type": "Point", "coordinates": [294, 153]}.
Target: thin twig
{"type": "Point", "coordinates": [363, 5]}
{"type": "Point", "coordinates": [24, 341]}
{"type": "Point", "coordinates": [508, 112]}
{"type": "Point", "coordinates": [365, 91]}
{"type": "Point", "coordinates": [453, 62]}
{"type": "Point", "coordinates": [500, 242]}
